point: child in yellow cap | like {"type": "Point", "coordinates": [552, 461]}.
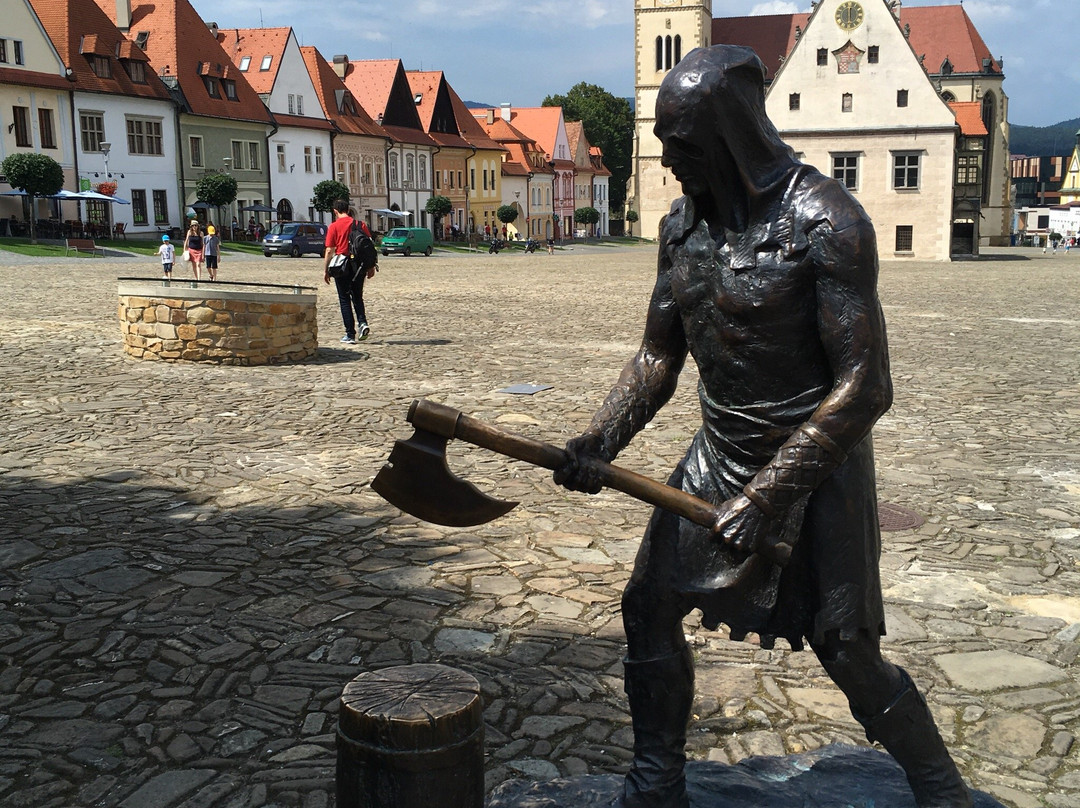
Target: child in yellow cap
{"type": "Point", "coordinates": [211, 251]}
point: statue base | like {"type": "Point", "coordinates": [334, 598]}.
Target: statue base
{"type": "Point", "coordinates": [837, 776]}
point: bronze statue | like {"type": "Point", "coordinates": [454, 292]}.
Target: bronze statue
{"type": "Point", "coordinates": [767, 276]}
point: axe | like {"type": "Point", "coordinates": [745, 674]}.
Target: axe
{"type": "Point", "coordinates": [417, 480]}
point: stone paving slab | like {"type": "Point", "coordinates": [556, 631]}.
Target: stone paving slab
{"type": "Point", "coordinates": [192, 564]}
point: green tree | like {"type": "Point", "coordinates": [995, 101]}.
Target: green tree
{"type": "Point", "coordinates": [325, 193]}
{"type": "Point", "coordinates": [587, 215]}
{"type": "Point", "coordinates": [217, 189]}
{"type": "Point", "coordinates": [439, 207]}
{"type": "Point", "coordinates": [507, 214]}
{"type": "Point", "coordinates": [631, 217]}
{"type": "Point", "coordinates": [609, 123]}
{"type": "Point", "coordinates": [37, 175]}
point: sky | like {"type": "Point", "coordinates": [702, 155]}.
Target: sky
{"type": "Point", "coordinates": [494, 51]}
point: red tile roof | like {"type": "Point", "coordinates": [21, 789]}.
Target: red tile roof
{"type": "Point", "coordinates": [522, 149]}
{"type": "Point", "coordinates": [180, 45]}
{"type": "Point", "coordinates": [371, 81]}
{"type": "Point", "coordinates": [427, 85]}
{"type": "Point", "coordinates": [470, 129]}
{"type": "Point", "coordinates": [332, 94]}
{"type": "Point", "coordinates": [937, 32]}
{"type": "Point", "coordinates": [78, 28]}
{"type": "Point", "coordinates": [969, 118]}
{"type": "Point", "coordinates": [540, 124]}
{"type": "Point", "coordinates": [382, 88]}
{"type": "Point", "coordinates": [256, 43]}
{"type": "Point", "coordinates": [32, 78]}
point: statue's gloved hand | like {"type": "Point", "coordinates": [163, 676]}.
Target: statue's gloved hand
{"type": "Point", "coordinates": [747, 529]}
{"type": "Point", "coordinates": [579, 472]}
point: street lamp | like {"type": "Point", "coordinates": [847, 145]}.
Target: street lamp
{"type": "Point", "coordinates": [105, 148]}
{"type": "Point", "coordinates": [227, 162]}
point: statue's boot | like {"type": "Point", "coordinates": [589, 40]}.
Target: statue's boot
{"type": "Point", "coordinates": [661, 694]}
{"type": "Point", "coordinates": [907, 731]}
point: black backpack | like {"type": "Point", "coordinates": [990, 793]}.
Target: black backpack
{"type": "Point", "coordinates": [362, 253]}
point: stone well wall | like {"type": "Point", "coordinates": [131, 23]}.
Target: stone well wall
{"type": "Point", "coordinates": [215, 323]}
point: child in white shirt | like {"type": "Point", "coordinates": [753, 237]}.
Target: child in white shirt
{"type": "Point", "coordinates": [168, 254]}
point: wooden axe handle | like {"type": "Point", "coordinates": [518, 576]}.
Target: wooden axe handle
{"type": "Point", "coordinates": [451, 423]}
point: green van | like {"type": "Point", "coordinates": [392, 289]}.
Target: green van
{"type": "Point", "coordinates": [407, 240]}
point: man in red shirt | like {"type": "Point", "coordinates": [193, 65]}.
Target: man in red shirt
{"type": "Point", "coordinates": [350, 286]}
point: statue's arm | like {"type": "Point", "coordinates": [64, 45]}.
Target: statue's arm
{"type": "Point", "coordinates": [646, 383]}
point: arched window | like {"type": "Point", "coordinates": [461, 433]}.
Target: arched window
{"type": "Point", "coordinates": [678, 50]}
{"type": "Point", "coordinates": [667, 53]}
{"type": "Point", "coordinates": [947, 97]}
{"type": "Point", "coordinates": [659, 53]}
{"type": "Point", "coordinates": [393, 171]}
{"type": "Point", "coordinates": [410, 170]}
{"type": "Point", "coordinates": [423, 171]}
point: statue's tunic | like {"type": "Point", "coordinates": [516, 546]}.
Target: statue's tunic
{"type": "Point", "coordinates": [723, 286]}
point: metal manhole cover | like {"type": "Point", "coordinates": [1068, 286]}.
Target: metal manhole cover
{"type": "Point", "coordinates": [895, 517]}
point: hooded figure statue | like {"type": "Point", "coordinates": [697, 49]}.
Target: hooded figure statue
{"type": "Point", "coordinates": [767, 276]}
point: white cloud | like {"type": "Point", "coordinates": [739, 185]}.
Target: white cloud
{"type": "Point", "coordinates": [774, 7]}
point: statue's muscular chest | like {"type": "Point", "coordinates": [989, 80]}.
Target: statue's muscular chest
{"type": "Point", "coordinates": [739, 284]}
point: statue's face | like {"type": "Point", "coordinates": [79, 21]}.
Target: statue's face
{"type": "Point", "coordinates": [693, 148]}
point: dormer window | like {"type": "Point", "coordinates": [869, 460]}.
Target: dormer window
{"type": "Point", "coordinates": [142, 38]}
{"type": "Point", "coordinates": [101, 67]}
{"type": "Point", "coordinates": [265, 65]}
{"type": "Point", "coordinates": [211, 86]}
{"type": "Point", "coordinates": [946, 68]}
{"type": "Point", "coordinates": [229, 86]}
{"type": "Point", "coordinates": [136, 70]}
{"type": "Point", "coordinates": [245, 62]}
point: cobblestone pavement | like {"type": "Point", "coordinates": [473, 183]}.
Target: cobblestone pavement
{"type": "Point", "coordinates": [192, 564]}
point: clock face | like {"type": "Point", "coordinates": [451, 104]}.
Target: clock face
{"type": "Point", "coordinates": [849, 15]}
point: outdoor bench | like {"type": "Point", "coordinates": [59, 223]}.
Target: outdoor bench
{"type": "Point", "coordinates": [79, 244]}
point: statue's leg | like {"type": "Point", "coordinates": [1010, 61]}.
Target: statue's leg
{"type": "Point", "coordinates": [893, 712]}
{"type": "Point", "coordinates": [659, 682]}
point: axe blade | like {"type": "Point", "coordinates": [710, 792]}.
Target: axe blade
{"type": "Point", "coordinates": [417, 480]}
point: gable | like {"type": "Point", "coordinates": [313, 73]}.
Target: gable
{"type": "Point", "coordinates": [853, 72]}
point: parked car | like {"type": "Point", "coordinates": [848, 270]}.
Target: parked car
{"type": "Point", "coordinates": [407, 240]}
{"type": "Point", "coordinates": [295, 239]}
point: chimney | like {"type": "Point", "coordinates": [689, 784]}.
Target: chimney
{"type": "Point", "coordinates": [341, 64]}
{"type": "Point", "coordinates": [504, 109]}
{"type": "Point", "coordinates": [490, 116]}
{"type": "Point", "coordinates": [123, 15]}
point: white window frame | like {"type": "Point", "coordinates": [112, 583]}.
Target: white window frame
{"type": "Point", "coordinates": [245, 63]}
{"type": "Point", "coordinates": [91, 138]}
{"type": "Point", "coordinates": [143, 134]}
{"type": "Point", "coordinates": [846, 163]}
{"type": "Point", "coordinates": [907, 162]}
{"type": "Point", "coordinates": [192, 140]}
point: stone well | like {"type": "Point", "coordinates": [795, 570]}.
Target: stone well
{"type": "Point", "coordinates": [225, 323]}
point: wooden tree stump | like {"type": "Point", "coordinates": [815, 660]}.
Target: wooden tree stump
{"type": "Point", "coordinates": [411, 737]}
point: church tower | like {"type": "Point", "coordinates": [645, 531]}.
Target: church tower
{"type": "Point", "coordinates": [664, 31]}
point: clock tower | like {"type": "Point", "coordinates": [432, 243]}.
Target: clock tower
{"type": "Point", "coordinates": [664, 32]}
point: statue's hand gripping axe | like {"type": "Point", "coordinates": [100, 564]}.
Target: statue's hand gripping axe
{"type": "Point", "coordinates": [417, 480]}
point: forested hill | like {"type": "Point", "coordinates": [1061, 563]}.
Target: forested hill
{"type": "Point", "coordinates": [1044, 141]}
